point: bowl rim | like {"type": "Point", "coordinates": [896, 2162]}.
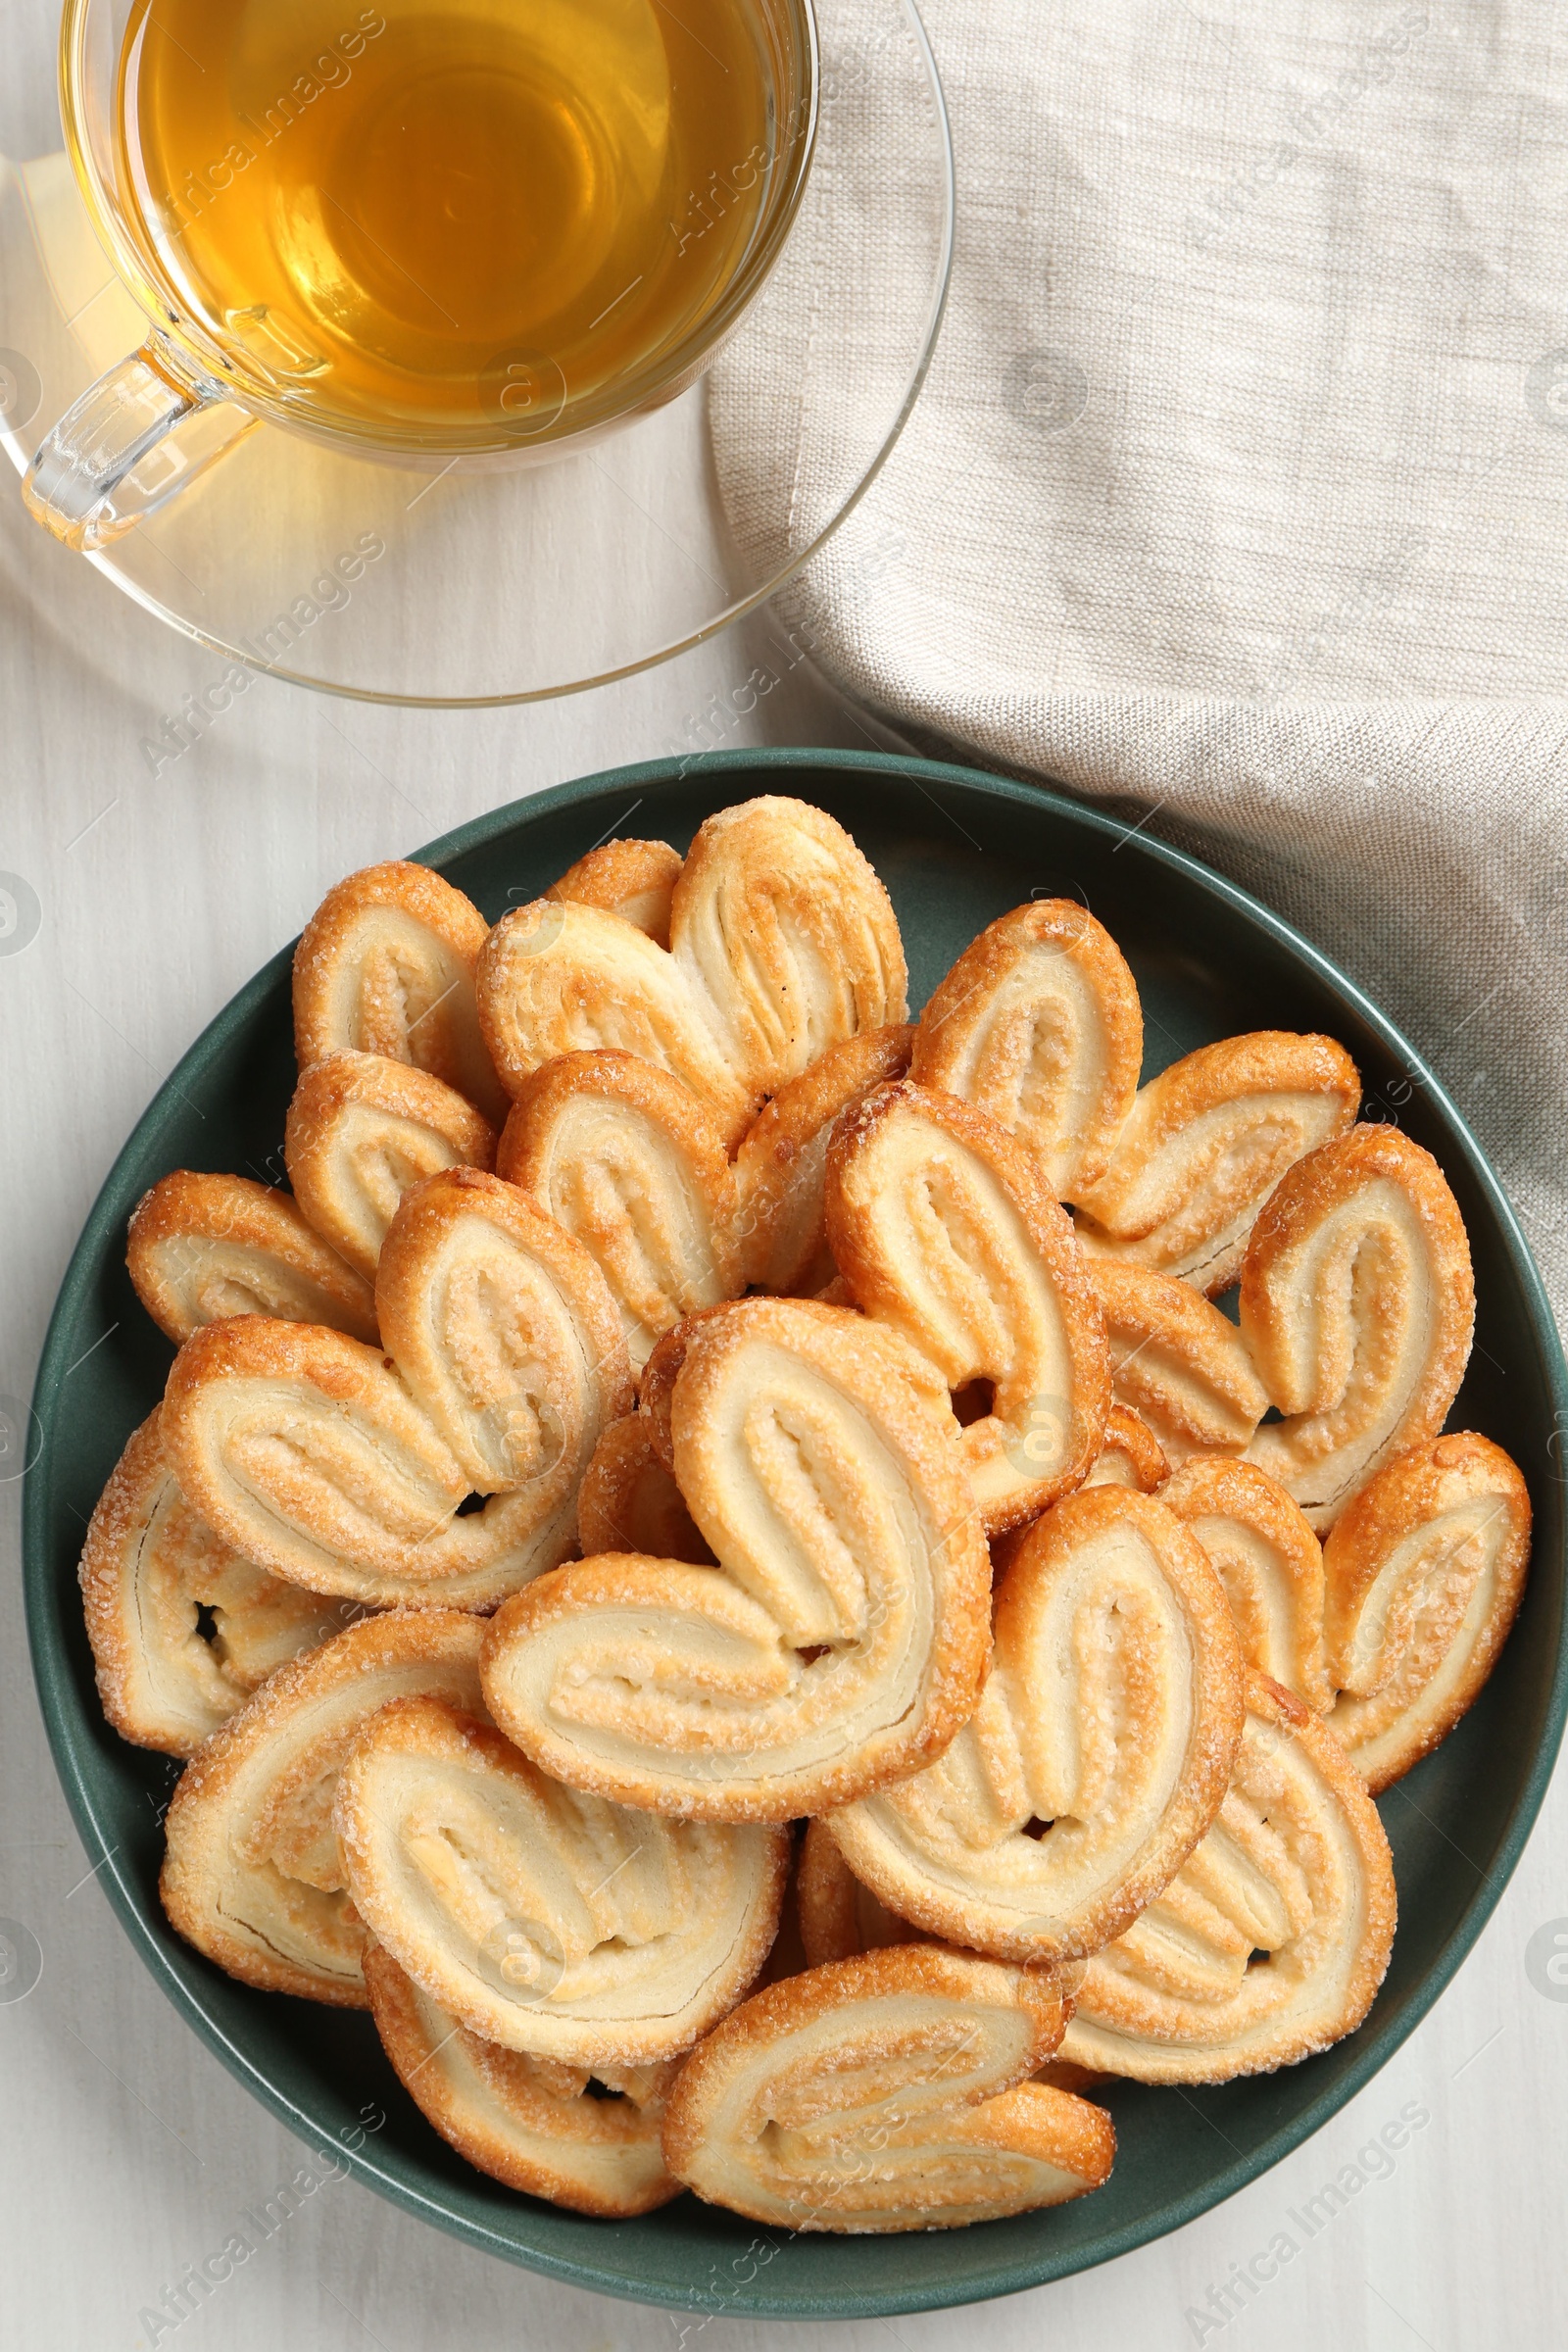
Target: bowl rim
{"type": "Point", "coordinates": [751, 772]}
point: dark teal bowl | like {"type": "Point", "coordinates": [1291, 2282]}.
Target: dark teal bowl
{"type": "Point", "coordinates": [956, 848]}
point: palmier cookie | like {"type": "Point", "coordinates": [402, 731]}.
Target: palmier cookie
{"type": "Point", "coordinates": [1204, 1146]}
{"type": "Point", "coordinates": [1359, 1305]}
{"type": "Point", "coordinates": [505, 1331]}
{"type": "Point", "coordinates": [183, 1627]}
{"type": "Point", "coordinates": [782, 1162]}
{"type": "Point", "coordinates": [626, 1159]}
{"type": "Point", "coordinates": [1037, 1023]}
{"type": "Point", "coordinates": [634, 879]}
{"type": "Point", "coordinates": [546, 1920]}
{"type": "Point", "coordinates": [588, 2139]}
{"type": "Point", "coordinates": [361, 1131]}
{"type": "Point", "coordinates": [842, 1639]}
{"type": "Point", "coordinates": [1269, 1562]}
{"type": "Point", "coordinates": [385, 965]}
{"type": "Point", "coordinates": [253, 1876]}
{"type": "Point", "coordinates": [629, 1501]}
{"type": "Point", "coordinates": [1096, 1758]}
{"type": "Point", "coordinates": [943, 1231]}
{"type": "Point", "coordinates": [1177, 1363]}
{"type": "Point", "coordinates": [1424, 1570]}
{"type": "Point", "coordinates": [1272, 1942]}
{"type": "Point", "coordinates": [312, 1455]}
{"type": "Point", "coordinates": [201, 1248]}
{"type": "Point", "coordinates": [886, 2092]}
{"type": "Point", "coordinates": [782, 944]}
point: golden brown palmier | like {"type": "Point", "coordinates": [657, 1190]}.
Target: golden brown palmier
{"type": "Point", "coordinates": [782, 944]}
{"type": "Point", "coordinates": [506, 1333]}
{"type": "Point", "coordinates": [385, 965]}
{"type": "Point", "coordinates": [842, 1640]}
{"type": "Point", "coordinates": [1270, 1944]}
{"type": "Point", "coordinates": [183, 1627]}
{"type": "Point", "coordinates": [1177, 1363]}
{"type": "Point", "coordinates": [306, 1452]}
{"type": "Point", "coordinates": [546, 1920]}
{"type": "Point", "coordinates": [201, 1248]}
{"type": "Point", "coordinates": [886, 2092]}
{"type": "Point", "coordinates": [626, 1160]}
{"type": "Point", "coordinates": [1269, 1562]}
{"type": "Point", "coordinates": [1096, 1758]}
{"type": "Point", "coordinates": [1037, 1023]}
{"type": "Point", "coordinates": [253, 1876]}
{"type": "Point", "coordinates": [532, 2123]}
{"type": "Point", "coordinates": [1130, 1454]}
{"type": "Point", "coordinates": [1205, 1145]}
{"type": "Point", "coordinates": [634, 879]}
{"type": "Point", "coordinates": [1425, 1570]}
{"type": "Point", "coordinates": [782, 1161]}
{"type": "Point", "coordinates": [629, 1501]}
{"type": "Point", "coordinates": [1359, 1305]}
{"type": "Point", "coordinates": [945, 1233]}
{"type": "Point", "coordinates": [363, 1130]}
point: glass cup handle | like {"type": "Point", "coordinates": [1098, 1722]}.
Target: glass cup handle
{"type": "Point", "coordinates": [129, 445]}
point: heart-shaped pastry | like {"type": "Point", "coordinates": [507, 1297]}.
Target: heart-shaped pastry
{"type": "Point", "coordinates": [944, 1232]}
{"type": "Point", "coordinates": [1038, 1024]}
{"type": "Point", "coordinates": [385, 965]}
{"type": "Point", "coordinates": [1205, 1145]}
{"type": "Point", "coordinates": [1177, 1363]}
{"type": "Point", "coordinates": [634, 879]}
{"type": "Point", "coordinates": [886, 2092]}
{"type": "Point", "coordinates": [842, 1639]}
{"type": "Point", "coordinates": [506, 1333]}
{"type": "Point", "coordinates": [626, 1160]}
{"type": "Point", "coordinates": [201, 1248]}
{"type": "Point", "coordinates": [1359, 1305]}
{"type": "Point", "coordinates": [183, 1627]}
{"type": "Point", "coordinates": [364, 1130]}
{"type": "Point", "coordinates": [588, 2142]}
{"type": "Point", "coordinates": [343, 1469]}
{"type": "Point", "coordinates": [1269, 1562]}
{"type": "Point", "coordinates": [1096, 1758]}
{"type": "Point", "coordinates": [1273, 1939]}
{"type": "Point", "coordinates": [547, 1920]}
{"type": "Point", "coordinates": [1425, 1570]}
{"type": "Point", "coordinates": [253, 1876]}
{"type": "Point", "coordinates": [782, 943]}
{"type": "Point", "coordinates": [782, 1163]}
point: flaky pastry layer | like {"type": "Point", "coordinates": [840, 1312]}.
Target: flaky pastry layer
{"type": "Point", "coordinates": [547, 1920]}
{"type": "Point", "coordinates": [202, 1248]}
{"type": "Point", "coordinates": [361, 1131]}
{"type": "Point", "coordinates": [386, 966]}
{"type": "Point", "coordinates": [252, 1876]}
{"type": "Point", "coordinates": [1271, 1942]}
{"type": "Point", "coordinates": [886, 2092]}
{"type": "Point", "coordinates": [1099, 1754]}
{"type": "Point", "coordinates": [1424, 1571]}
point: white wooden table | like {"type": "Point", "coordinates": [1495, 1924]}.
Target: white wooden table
{"type": "Point", "coordinates": [127, 2152]}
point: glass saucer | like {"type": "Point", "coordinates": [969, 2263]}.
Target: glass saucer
{"type": "Point", "coordinates": [392, 583]}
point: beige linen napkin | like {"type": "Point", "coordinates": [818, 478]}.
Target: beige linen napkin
{"type": "Point", "coordinates": [1239, 484]}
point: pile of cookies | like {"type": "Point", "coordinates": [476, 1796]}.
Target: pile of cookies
{"type": "Point", "coordinates": [718, 1567]}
